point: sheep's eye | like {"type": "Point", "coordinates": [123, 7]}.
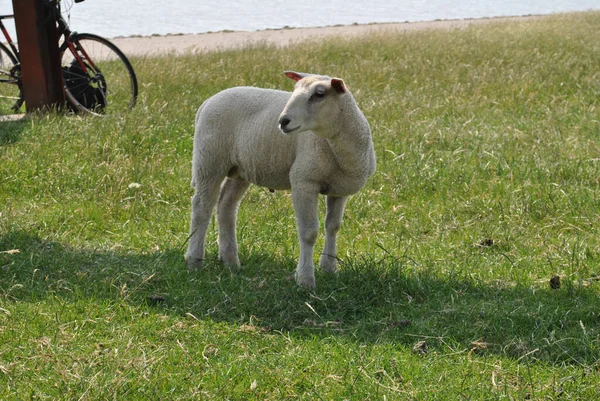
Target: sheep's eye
{"type": "Point", "coordinates": [319, 94]}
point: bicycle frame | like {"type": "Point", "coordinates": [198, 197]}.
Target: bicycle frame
{"type": "Point", "coordinates": [9, 40]}
{"type": "Point", "coordinates": [76, 50]}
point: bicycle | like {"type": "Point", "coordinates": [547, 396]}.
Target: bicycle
{"type": "Point", "coordinates": [97, 77]}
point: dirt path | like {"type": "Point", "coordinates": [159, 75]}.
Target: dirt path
{"type": "Point", "coordinates": [179, 44]}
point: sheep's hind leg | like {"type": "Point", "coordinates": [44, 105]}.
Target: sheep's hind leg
{"type": "Point", "coordinates": [232, 192]}
{"type": "Point", "coordinates": [333, 222]}
{"type": "Point", "coordinates": [203, 204]}
{"type": "Point", "coordinates": [307, 218]}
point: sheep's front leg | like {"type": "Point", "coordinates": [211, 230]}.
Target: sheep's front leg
{"type": "Point", "coordinates": [307, 218]}
{"type": "Point", "coordinates": [231, 195]}
{"type": "Point", "coordinates": [333, 221]}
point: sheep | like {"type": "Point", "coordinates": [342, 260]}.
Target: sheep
{"type": "Point", "coordinates": [314, 140]}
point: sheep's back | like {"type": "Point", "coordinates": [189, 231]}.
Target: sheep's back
{"type": "Point", "coordinates": [240, 125]}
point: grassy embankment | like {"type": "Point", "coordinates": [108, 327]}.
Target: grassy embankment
{"type": "Point", "coordinates": [488, 143]}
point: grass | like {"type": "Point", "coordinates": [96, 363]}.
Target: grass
{"type": "Point", "coordinates": [487, 187]}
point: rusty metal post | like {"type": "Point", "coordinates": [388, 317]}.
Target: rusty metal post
{"type": "Point", "coordinates": [38, 47]}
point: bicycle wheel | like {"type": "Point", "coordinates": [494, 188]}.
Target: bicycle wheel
{"type": "Point", "coordinates": [11, 91]}
{"type": "Point", "coordinates": [98, 78]}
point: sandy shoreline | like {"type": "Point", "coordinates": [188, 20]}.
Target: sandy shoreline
{"type": "Point", "coordinates": [199, 43]}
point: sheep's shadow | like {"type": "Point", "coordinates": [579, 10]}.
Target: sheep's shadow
{"type": "Point", "coordinates": [368, 301]}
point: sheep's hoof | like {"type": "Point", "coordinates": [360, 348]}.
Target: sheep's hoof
{"type": "Point", "coordinates": [328, 263]}
{"type": "Point", "coordinates": [193, 263]}
{"type": "Point", "coordinates": [306, 281]}
{"type": "Point", "coordinates": [230, 261]}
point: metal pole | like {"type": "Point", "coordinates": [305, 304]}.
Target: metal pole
{"type": "Point", "coordinates": [37, 37]}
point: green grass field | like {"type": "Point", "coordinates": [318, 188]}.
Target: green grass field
{"type": "Point", "coordinates": [487, 186]}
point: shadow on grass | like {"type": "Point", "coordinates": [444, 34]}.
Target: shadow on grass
{"type": "Point", "coordinates": [369, 301]}
{"type": "Point", "coordinates": [10, 130]}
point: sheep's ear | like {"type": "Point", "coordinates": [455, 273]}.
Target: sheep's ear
{"type": "Point", "coordinates": [296, 76]}
{"type": "Point", "coordinates": [338, 85]}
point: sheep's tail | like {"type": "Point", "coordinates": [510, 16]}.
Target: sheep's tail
{"type": "Point", "coordinates": [198, 114]}
{"type": "Point", "coordinates": [193, 182]}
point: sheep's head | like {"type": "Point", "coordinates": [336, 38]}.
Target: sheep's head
{"type": "Point", "coordinates": [314, 104]}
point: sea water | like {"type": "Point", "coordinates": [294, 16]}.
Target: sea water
{"type": "Point", "coordinates": [114, 18]}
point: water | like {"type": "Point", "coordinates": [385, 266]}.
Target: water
{"type": "Point", "coordinates": [113, 18]}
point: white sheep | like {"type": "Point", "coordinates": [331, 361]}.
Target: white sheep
{"type": "Point", "coordinates": [314, 140]}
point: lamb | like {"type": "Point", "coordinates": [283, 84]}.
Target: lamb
{"type": "Point", "coordinates": [314, 140]}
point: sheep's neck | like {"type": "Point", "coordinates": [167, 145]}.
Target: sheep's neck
{"type": "Point", "coordinates": [352, 146]}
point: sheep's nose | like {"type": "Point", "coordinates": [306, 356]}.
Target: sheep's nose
{"type": "Point", "coordinates": [284, 121]}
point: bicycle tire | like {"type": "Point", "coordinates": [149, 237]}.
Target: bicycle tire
{"type": "Point", "coordinates": [11, 89]}
{"type": "Point", "coordinates": [110, 85]}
